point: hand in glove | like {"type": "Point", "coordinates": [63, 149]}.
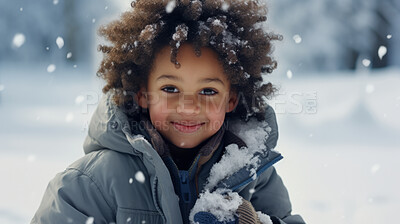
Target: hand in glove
{"type": "Point", "coordinates": [246, 215]}
{"type": "Point", "coordinates": [208, 218]}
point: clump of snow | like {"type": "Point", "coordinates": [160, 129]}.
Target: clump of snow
{"type": "Point", "coordinates": [60, 42]}
{"type": "Point", "coordinates": [18, 40]}
{"type": "Point", "coordinates": [170, 6]}
{"type": "Point", "coordinates": [254, 133]}
{"type": "Point", "coordinates": [297, 39]}
{"type": "Point", "coordinates": [148, 33]}
{"type": "Point", "coordinates": [181, 33]}
{"type": "Point", "coordinates": [232, 161]}
{"type": "Point", "coordinates": [264, 219]}
{"type": "Point", "coordinates": [382, 51]}
{"type": "Point", "coordinates": [223, 207]}
{"type": "Point", "coordinates": [51, 68]}
{"type": "Point", "coordinates": [139, 176]}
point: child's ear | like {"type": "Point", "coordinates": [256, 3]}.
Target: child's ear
{"type": "Point", "coordinates": [233, 101]}
{"type": "Point", "coordinates": [141, 98]}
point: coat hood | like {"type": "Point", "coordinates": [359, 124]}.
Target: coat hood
{"type": "Point", "coordinates": [111, 129]}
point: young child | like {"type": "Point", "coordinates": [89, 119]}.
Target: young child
{"type": "Point", "coordinates": [183, 133]}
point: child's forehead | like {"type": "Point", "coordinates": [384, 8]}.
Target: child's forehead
{"type": "Point", "coordinates": [206, 66]}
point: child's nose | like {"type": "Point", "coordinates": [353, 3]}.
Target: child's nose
{"type": "Point", "coordinates": [188, 105]}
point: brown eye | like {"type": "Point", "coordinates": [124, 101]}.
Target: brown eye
{"type": "Point", "coordinates": [170, 89]}
{"type": "Point", "coordinates": [208, 92]}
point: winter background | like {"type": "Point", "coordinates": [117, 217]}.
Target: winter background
{"type": "Point", "coordinates": [337, 108]}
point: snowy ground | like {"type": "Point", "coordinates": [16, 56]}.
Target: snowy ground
{"type": "Point", "coordinates": [339, 136]}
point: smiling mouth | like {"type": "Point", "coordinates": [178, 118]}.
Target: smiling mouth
{"type": "Point", "coordinates": [187, 128]}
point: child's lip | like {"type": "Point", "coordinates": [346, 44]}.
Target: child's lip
{"type": "Point", "coordinates": [187, 127]}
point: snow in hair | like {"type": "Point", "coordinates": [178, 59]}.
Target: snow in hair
{"type": "Point", "coordinates": [231, 28]}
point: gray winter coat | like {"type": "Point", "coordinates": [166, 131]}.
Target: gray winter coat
{"type": "Point", "coordinates": [102, 186]}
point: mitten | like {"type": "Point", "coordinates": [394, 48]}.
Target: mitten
{"type": "Point", "coordinates": [247, 214]}
{"type": "Point", "coordinates": [208, 218]}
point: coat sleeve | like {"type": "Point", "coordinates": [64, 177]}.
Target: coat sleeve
{"type": "Point", "coordinates": [271, 197]}
{"type": "Point", "coordinates": [73, 197]}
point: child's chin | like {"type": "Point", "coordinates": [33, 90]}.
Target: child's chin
{"type": "Point", "coordinates": [185, 145]}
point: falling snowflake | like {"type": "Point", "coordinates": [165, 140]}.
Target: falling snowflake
{"type": "Point", "coordinates": [225, 6]}
{"type": "Point", "coordinates": [366, 62]}
{"type": "Point", "coordinates": [139, 176]}
{"type": "Point", "coordinates": [375, 168]}
{"type": "Point", "coordinates": [69, 55]}
{"type": "Point", "coordinates": [69, 118]}
{"type": "Point", "coordinates": [79, 99]}
{"type": "Point", "coordinates": [289, 74]}
{"type": "Point", "coordinates": [90, 220]}
{"type": "Point", "coordinates": [60, 42]}
{"type": "Point", "coordinates": [51, 68]}
{"type": "Point", "coordinates": [170, 6]}
{"type": "Point", "coordinates": [31, 158]}
{"type": "Point", "coordinates": [369, 88]}
{"type": "Point", "coordinates": [382, 52]}
{"type": "Point", "coordinates": [297, 39]}
{"type": "Point", "coordinates": [18, 40]}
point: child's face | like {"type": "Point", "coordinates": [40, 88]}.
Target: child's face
{"type": "Point", "coordinates": [187, 105]}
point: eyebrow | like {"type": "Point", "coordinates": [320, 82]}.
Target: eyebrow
{"type": "Point", "coordinates": [175, 78]}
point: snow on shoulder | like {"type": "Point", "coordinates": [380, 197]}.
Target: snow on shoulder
{"type": "Point", "coordinates": [255, 134]}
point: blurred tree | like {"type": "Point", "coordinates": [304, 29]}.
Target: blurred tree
{"type": "Point", "coordinates": [335, 34]}
{"type": "Point", "coordinates": [42, 21]}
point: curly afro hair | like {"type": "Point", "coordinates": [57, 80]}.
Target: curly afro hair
{"type": "Point", "coordinates": [232, 28]}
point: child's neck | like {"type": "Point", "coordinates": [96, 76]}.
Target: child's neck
{"type": "Point", "coordinates": [173, 147]}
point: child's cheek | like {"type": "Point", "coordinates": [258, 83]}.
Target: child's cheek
{"type": "Point", "coordinates": [159, 114]}
{"type": "Point", "coordinates": [216, 116]}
